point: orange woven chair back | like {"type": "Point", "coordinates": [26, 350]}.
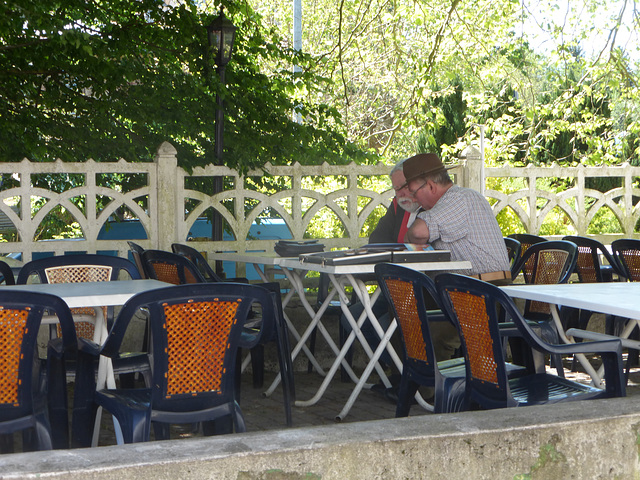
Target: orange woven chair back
{"type": "Point", "coordinates": [404, 301]}
{"type": "Point", "coordinates": [545, 268]}
{"type": "Point", "coordinates": [80, 274]}
{"type": "Point", "coordinates": [13, 324]}
{"type": "Point", "coordinates": [168, 272]}
{"type": "Point", "coordinates": [472, 316]}
{"type": "Point", "coordinates": [632, 260]}
{"type": "Point", "coordinates": [197, 343]}
{"type": "Point", "coordinates": [586, 267]}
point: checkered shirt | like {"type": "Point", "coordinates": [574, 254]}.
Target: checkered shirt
{"type": "Point", "coordinates": [462, 221]}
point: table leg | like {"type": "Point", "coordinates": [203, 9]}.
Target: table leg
{"type": "Point", "coordinates": [340, 353]}
{"type": "Point", "coordinates": [298, 287]}
{"type": "Point", "coordinates": [595, 376]}
{"type": "Point", "coordinates": [296, 281]}
{"type": "Point", "coordinates": [106, 379]}
{"type": "Point", "coordinates": [385, 337]}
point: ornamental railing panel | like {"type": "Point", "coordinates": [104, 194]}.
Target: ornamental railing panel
{"type": "Point", "coordinates": [167, 205]}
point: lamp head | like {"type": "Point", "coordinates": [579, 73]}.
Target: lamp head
{"type": "Point", "coordinates": [221, 37]}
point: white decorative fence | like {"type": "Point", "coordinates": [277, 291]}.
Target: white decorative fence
{"type": "Point", "coordinates": [167, 209]}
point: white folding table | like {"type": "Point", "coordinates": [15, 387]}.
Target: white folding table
{"type": "Point", "coordinates": [355, 276]}
{"type": "Point", "coordinates": [612, 298]}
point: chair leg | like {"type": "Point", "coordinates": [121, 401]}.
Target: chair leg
{"type": "Point", "coordinates": [6, 443]}
{"type": "Point", "coordinates": [238, 419]}
{"type": "Point", "coordinates": [57, 402]}
{"type": "Point", "coordinates": [219, 426]}
{"type": "Point", "coordinates": [257, 365]}
{"type": "Point", "coordinates": [406, 392]}
{"type": "Point", "coordinates": [161, 431]}
{"type": "Point", "coordinates": [43, 433]}
{"type": "Point", "coordinates": [286, 370]}
{"type": "Point", "coordinates": [238, 374]}
{"type": "Point", "coordinates": [84, 407]}
{"type": "Point", "coordinates": [136, 425]}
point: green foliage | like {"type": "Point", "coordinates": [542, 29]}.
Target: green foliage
{"type": "Point", "coordinates": [604, 222]}
{"type": "Point", "coordinates": [115, 79]}
{"type": "Point", "coordinates": [445, 111]}
{"type": "Point", "coordinates": [374, 80]}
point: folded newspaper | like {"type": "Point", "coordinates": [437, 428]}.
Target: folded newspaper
{"type": "Point", "coordinates": [378, 253]}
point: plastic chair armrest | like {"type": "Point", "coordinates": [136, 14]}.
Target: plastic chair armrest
{"type": "Point", "coordinates": [88, 347]}
{"type": "Point", "coordinates": [589, 335]}
{"type": "Point", "coordinates": [600, 347]}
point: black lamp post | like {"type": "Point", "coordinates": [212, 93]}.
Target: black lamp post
{"type": "Point", "coordinates": [221, 34]}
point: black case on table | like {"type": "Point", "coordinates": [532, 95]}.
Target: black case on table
{"type": "Point", "coordinates": [292, 248]}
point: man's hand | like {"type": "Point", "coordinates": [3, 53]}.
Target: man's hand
{"type": "Point", "coordinates": [418, 233]}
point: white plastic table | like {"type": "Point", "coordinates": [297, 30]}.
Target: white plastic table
{"type": "Point", "coordinates": [356, 276]}
{"type": "Point", "coordinates": [611, 298]}
{"type": "Point", "coordinates": [340, 276]}
{"type": "Point", "coordinates": [92, 294]}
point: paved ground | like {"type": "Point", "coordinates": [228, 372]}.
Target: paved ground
{"type": "Point", "coordinates": [267, 413]}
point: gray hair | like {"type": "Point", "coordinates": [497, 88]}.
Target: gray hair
{"type": "Point", "coordinates": [397, 167]}
{"type": "Point", "coordinates": [441, 178]}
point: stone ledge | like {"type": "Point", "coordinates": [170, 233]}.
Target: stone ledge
{"type": "Point", "coordinates": [592, 439]}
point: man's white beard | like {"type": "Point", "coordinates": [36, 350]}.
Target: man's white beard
{"type": "Point", "coordinates": [408, 205]}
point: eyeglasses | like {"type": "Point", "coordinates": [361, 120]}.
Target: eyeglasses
{"type": "Point", "coordinates": [401, 187]}
{"type": "Point", "coordinates": [413, 192]}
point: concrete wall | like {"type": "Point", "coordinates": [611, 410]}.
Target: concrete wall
{"type": "Point", "coordinates": [581, 440]}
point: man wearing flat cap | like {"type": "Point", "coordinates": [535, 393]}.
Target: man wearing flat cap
{"type": "Point", "coordinates": [459, 220]}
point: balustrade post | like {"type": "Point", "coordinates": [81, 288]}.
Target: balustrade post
{"type": "Point", "coordinates": [167, 205]}
{"type": "Point", "coordinates": [473, 169]}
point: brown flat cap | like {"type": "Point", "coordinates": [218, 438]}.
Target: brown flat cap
{"type": "Point", "coordinates": [421, 165]}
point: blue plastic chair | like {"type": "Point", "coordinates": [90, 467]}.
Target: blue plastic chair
{"type": "Point", "coordinates": [201, 264]}
{"type": "Point", "coordinates": [514, 249]}
{"type": "Point", "coordinates": [170, 267]}
{"type": "Point", "coordinates": [196, 331]}
{"type": "Point", "coordinates": [179, 270]}
{"type": "Point", "coordinates": [136, 253]}
{"type": "Point", "coordinates": [544, 263]}
{"type": "Point", "coordinates": [404, 290]}
{"type": "Point", "coordinates": [88, 268]}
{"type": "Point", "coordinates": [526, 240]}
{"type": "Point", "coordinates": [24, 379]}
{"type": "Point", "coordinates": [626, 252]}
{"type": "Point", "coordinates": [6, 274]}
{"type": "Point", "coordinates": [474, 307]}
{"type": "Point", "coordinates": [588, 266]}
